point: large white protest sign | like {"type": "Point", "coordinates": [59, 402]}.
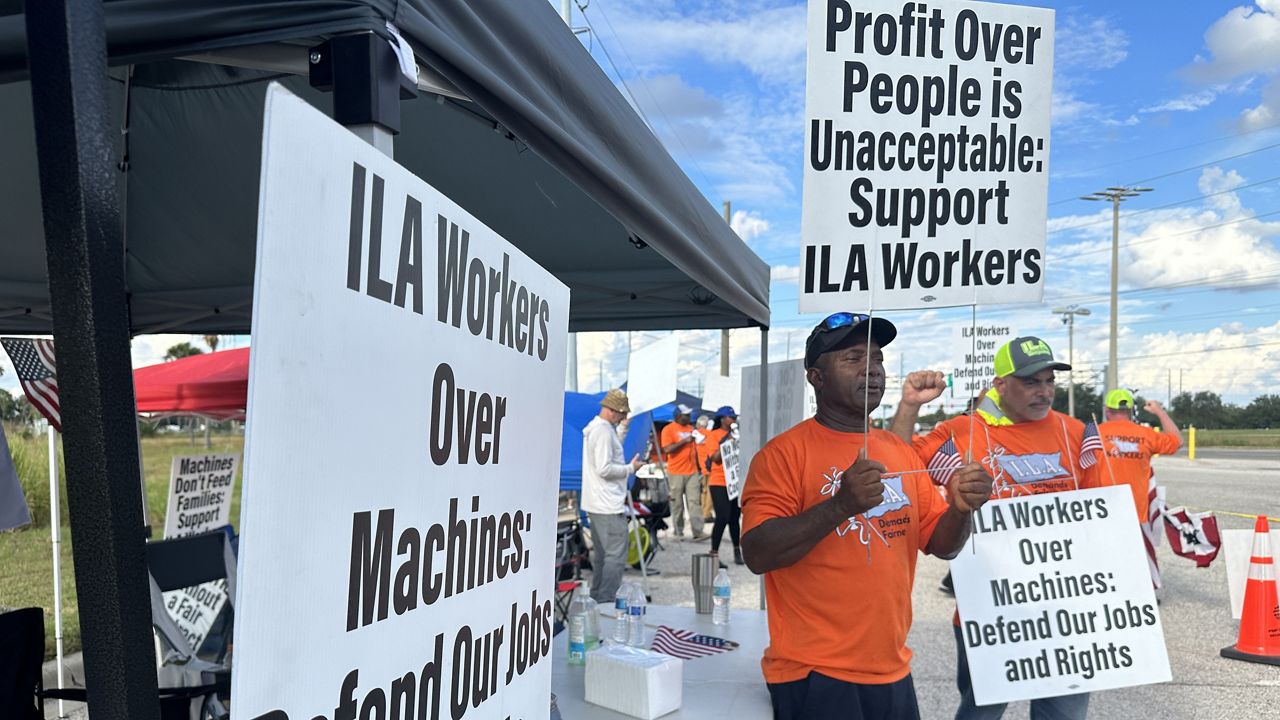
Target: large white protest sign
{"type": "Point", "coordinates": [720, 390]}
{"type": "Point", "coordinates": [651, 375]}
{"type": "Point", "coordinates": [398, 565]}
{"type": "Point", "coordinates": [789, 398]}
{"type": "Point", "coordinates": [926, 154]}
{"type": "Point", "coordinates": [200, 493]}
{"type": "Point", "coordinates": [973, 353]}
{"type": "Point", "coordinates": [1055, 597]}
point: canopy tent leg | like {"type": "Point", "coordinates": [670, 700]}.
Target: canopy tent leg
{"type": "Point", "coordinates": [84, 247]}
{"type": "Point", "coordinates": [764, 411]}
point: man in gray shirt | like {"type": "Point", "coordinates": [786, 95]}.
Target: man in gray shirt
{"type": "Point", "coordinates": [604, 494]}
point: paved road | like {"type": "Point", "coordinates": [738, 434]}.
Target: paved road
{"type": "Point", "coordinates": [1269, 455]}
{"type": "Point", "coordinates": [1195, 613]}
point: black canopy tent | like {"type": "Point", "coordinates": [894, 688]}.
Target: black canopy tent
{"type": "Point", "coordinates": [545, 151]}
{"type": "Point", "coordinates": [519, 126]}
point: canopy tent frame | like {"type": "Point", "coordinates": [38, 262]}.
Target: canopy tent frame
{"type": "Point", "coordinates": [93, 305]}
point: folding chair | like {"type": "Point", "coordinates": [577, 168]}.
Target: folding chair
{"type": "Point", "coordinates": [179, 563]}
{"type": "Point", "coordinates": [569, 554]}
{"type": "Point", "coordinates": [21, 662]}
{"type": "Point", "coordinates": [22, 691]}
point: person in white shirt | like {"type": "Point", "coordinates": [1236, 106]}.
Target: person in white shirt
{"type": "Point", "coordinates": [604, 494]}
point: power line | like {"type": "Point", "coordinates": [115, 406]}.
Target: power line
{"type": "Point", "coordinates": [1196, 352]}
{"type": "Point", "coordinates": [1166, 151]}
{"type": "Point", "coordinates": [1177, 234]}
{"type": "Point", "coordinates": [1166, 206]}
{"type": "Point", "coordinates": [1183, 170]}
{"type": "Point", "coordinates": [617, 38]}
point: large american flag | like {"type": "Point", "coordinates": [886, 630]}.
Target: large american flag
{"type": "Point", "coordinates": [687, 644]}
{"type": "Point", "coordinates": [945, 463]}
{"type": "Point", "coordinates": [38, 374]}
{"type": "Point", "coordinates": [1091, 447]}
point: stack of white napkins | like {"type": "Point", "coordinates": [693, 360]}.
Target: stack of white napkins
{"type": "Point", "coordinates": [634, 681]}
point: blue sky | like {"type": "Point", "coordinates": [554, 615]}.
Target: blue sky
{"type": "Point", "coordinates": [1183, 98]}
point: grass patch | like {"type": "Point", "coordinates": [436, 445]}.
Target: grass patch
{"type": "Point", "coordinates": [26, 555]}
{"type": "Point", "coordinates": [1238, 438]}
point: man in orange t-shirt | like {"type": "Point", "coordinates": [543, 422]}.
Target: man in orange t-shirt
{"type": "Point", "coordinates": [1129, 446]}
{"type": "Point", "coordinates": [680, 451]}
{"type": "Point", "coordinates": [1027, 446]}
{"type": "Point", "coordinates": [834, 514]}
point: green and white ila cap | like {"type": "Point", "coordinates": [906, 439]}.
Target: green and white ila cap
{"type": "Point", "coordinates": [1026, 356]}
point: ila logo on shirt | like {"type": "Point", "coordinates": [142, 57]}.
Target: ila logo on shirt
{"type": "Point", "coordinates": [894, 498]}
{"type": "Point", "coordinates": [1032, 467]}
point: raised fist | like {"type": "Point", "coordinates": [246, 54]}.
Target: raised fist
{"type": "Point", "coordinates": [922, 386]}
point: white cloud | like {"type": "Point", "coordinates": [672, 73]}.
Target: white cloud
{"type": "Point", "coordinates": [1189, 102]}
{"type": "Point", "coordinates": [1089, 44]}
{"type": "Point", "coordinates": [769, 42]}
{"type": "Point", "coordinates": [784, 273]}
{"type": "Point", "coordinates": [1244, 41]}
{"type": "Point", "coordinates": [1267, 112]}
{"type": "Point", "coordinates": [1242, 45]}
{"type": "Point", "coordinates": [748, 225]}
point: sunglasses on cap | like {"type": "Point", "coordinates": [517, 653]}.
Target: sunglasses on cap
{"type": "Point", "coordinates": [841, 319]}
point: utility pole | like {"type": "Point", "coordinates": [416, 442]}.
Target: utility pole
{"type": "Point", "coordinates": [1116, 195]}
{"type": "Point", "coordinates": [1169, 390]}
{"type": "Point", "coordinates": [724, 333]}
{"type": "Point", "coordinates": [1069, 314]}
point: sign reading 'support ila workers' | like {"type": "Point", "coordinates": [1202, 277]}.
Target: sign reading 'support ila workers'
{"type": "Point", "coordinates": [974, 355]}
{"type": "Point", "coordinates": [926, 154]}
{"type": "Point", "coordinates": [1055, 598]}
{"type": "Point", "coordinates": [398, 566]}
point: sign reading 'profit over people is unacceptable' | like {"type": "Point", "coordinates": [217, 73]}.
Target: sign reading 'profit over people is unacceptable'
{"type": "Point", "coordinates": [405, 410]}
{"type": "Point", "coordinates": [926, 154]}
{"type": "Point", "coordinates": [1055, 597]}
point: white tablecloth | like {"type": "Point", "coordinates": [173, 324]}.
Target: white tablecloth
{"type": "Point", "coordinates": [728, 685]}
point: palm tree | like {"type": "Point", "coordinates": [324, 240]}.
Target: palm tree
{"type": "Point", "coordinates": [212, 342]}
{"type": "Point", "coordinates": [181, 350]}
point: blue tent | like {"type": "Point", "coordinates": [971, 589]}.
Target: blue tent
{"type": "Point", "coordinates": [579, 408]}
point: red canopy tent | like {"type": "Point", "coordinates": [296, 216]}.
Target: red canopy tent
{"type": "Point", "coordinates": [213, 385]}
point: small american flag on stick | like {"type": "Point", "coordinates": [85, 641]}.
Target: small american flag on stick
{"type": "Point", "coordinates": [1091, 447]}
{"type": "Point", "coordinates": [38, 375]}
{"type": "Point", "coordinates": [945, 463]}
{"type": "Point", "coordinates": [688, 644]}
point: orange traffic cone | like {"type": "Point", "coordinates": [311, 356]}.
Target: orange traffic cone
{"type": "Point", "coordinates": [1260, 622]}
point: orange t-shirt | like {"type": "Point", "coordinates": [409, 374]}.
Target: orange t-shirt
{"type": "Point", "coordinates": [1024, 458]}
{"type": "Point", "coordinates": [1129, 447]}
{"type": "Point", "coordinates": [845, 608]}
{"type": "Point", "coordinates": [714, 437]}
{"type": "Point", "coordinates": [685, 460]}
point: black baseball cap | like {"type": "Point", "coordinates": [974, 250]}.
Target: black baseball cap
{"type": "Point", "coordinates": [843, 329]}
{"type": "Point", "coordinates": [1026, 356]}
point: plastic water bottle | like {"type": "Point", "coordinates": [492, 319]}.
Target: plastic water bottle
{"type": "Point", "coordinates": [577, 632]}
{"type": "Point", "coordinates": [592, 635]}
{"type": "Point", "coordinates": [720, 598]}
{"type": "Point", "coordinates": [635, 617]}
{"type": "Point", "coordinates": [621, 605]}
